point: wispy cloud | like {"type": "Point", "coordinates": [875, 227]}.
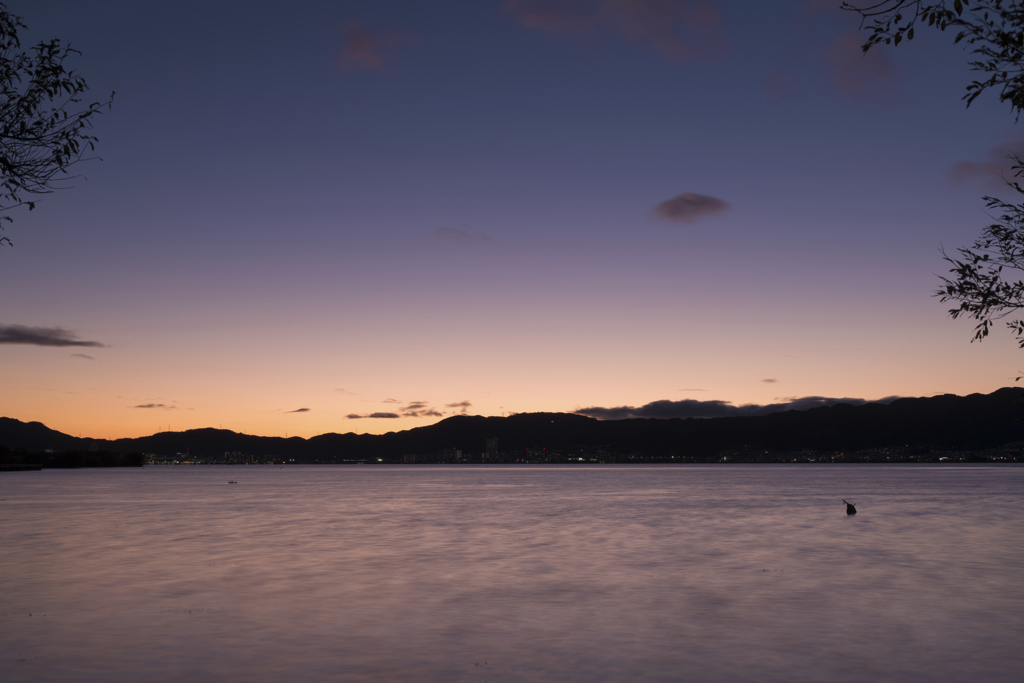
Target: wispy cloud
{"type": "Point", "coordinates": [690, 408]}
{"type": "Point", "coordinates": [425, 412]}
{"type": "Point", "coordinates": [996, 168]}
{"type": "Point", "coordinates": [299, 410]}
{"type": "Point", "coordinates": [410, 409]}
{"type": "Point", "coordinates": [690, 207]}
{"type": "Point", "coordinates": [461, 233]}
{"type": "Point", "coordinates": [365, 50]}
{"type": "Point", "coordinates": [769, 381]}
{"type": "Point", "coordinates": [42, 336]}
{"type": "Point", "coordinates": [674, 29]}
{"type": "Point", "coordinates": [462, 406]}
{"type": "Point", "coordinates": [420, 409]}
{"type": "Point", "coordinates": [82, 356]}
{"type": "Point", "coordinates": [867, 78]}
{"type": "Point", "coordinates": [161, 406]}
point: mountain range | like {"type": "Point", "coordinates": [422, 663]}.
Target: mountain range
{"type": "Point", "coordinates": [908, 425]}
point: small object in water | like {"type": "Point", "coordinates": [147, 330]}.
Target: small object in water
{"type": "Point", "coordinates": [235, 482]}
{"type": "Point", "coordinates": [850, 510]}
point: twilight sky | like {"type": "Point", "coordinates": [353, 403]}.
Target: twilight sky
{"type": "Point", "coordinates": [315, 214]}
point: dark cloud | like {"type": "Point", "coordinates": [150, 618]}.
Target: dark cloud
{"type": "Point", "coordinates": [411, 409]}
{"type": "Point", "coordinates": [367, 51]}
{"type": "Point", "coordinates": [420, 409]}
{"type": "Point", "coordinates": [663, 410]}
{"type": "Point", "coordinates": [300, 410]}
{"type": "Point", "coordinates": [769, 381]}
{"type": "Point", "coordinates": [462, 406]}
{"type": "Point", "coordinates": [82, 355]}
{"type": "Point", "coordinates": [993, 172]}
{"type": "Point", "coordinates": [690, 408]}
{"type": "Point", "coordinates": [690, 207]}
{"type": "Point", "coordinates": [674, 29]}
{"type": "Point", "coordinates": [162, 406]}
{"type": "Point", "coordinates": [427, 412]}
{"type": "Point", "coordinates": [42, 336]}
{"type": "Point", "coordinates": [867, 78]}
{"type": "Point", "coordinates": [461, 233]}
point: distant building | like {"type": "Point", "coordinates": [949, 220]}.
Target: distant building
{"type": "Point", "coordinates": [491, 449]}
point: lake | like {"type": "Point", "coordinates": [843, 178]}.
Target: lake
{"type": "Point", "coordinates": [513, 573]}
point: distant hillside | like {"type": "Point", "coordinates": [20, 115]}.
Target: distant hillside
{"type": "Point", "coordinates": [912, 424]}
{"type": "Point", "coordinates": [35, 436]}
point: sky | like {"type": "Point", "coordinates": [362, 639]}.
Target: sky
{"type": "Point", "coordinates": [365, 216]}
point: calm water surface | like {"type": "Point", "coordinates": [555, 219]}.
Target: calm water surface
{"type": "Point", "coordinates": [435, 573]}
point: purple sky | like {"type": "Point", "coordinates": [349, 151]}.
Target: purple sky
{"type": "Point", "coordinates": [418, 209]}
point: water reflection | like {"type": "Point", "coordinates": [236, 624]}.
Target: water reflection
{"type": "Point", "coordinates": [512, 574]}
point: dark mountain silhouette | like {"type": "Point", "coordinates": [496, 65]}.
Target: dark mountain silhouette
{"type": "Point", "coordinates": [910, 425]}
{"type": "Point", "coordinates": [35, 436]}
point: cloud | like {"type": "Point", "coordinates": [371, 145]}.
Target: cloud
{"type": "Point", "coordinates": [461, 233]}
{"type": "Point", "coordinates": [367, 51]}
{"type": "Point", "coordinates": [995, 170]}
{"type": "Point", "coordinates": [156, 405]}
{"type": "Point", "coordinates": [427, 412]}
{"type": "Point", "coordinates": [662, 410]}
{"type": "Point", "coordinates": [420, 409]}
{"type": "Point", "coordinates": [674, 29]}
{"type": "Point", "coordinates": [82, 355]}
{"type": "Point", "coordinates": [344, 391]}
{"type": "Point", "coordinates": [300, 410]}
{"type": "Point", "coordinates": [690, 408]}
{"type": "Point", "coordinates": [461, 406]}
{"type": "Point", "coordinates": [867, 78]}
{"type": "Point", "coordinates": [769, 381]}
{"type": "Point", "coordinates": [690, 207]}
{"type": "Point", "coordinates": [42, 336]}
{"type": "Point", "coordinates": [411, 409]}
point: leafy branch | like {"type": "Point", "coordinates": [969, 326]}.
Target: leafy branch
{"type": "Point", "coordinates": [44, 128]}
{"type": "Point", "coordinates": [981, 280]}
{"type": "Point", "coordinates": [993, 28]}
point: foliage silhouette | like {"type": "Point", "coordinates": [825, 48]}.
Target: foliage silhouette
{"type": "Point", "coordinates": [993, 28]}
{"type": "Point", "coordinates": [982, 283]}
{"type": "Point", "coordinates": [44, 128]}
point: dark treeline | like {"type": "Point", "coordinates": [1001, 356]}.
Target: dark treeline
{"type": "Point", "coordinates": [19, 458]}
{"type": "Point", "coordinates": [970, 428]}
